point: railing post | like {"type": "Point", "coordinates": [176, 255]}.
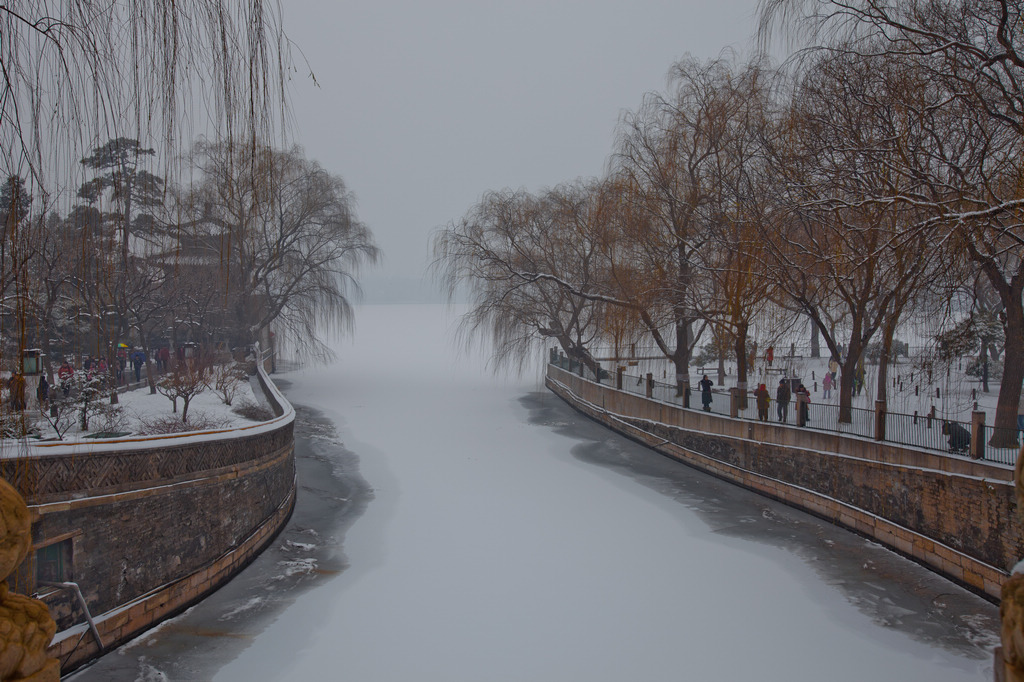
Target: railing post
{"type": "Point", "coordinates": [618, 376]}
{"type": "Point", "coordinates": [977, 435]}
{"type": "Point", "coordinates": [879, 420]}
{"type": "Point", "coordinates": [650, 385]}
{"type": "Point", "coordinates": [801, 409]}
{"type": "Point", "coordinates": [686, 391]}
{"type": "Point", "coordinates": [734, 402]}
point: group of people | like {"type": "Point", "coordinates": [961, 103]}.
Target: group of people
{"type": "Point", "coordinates": [783, 396]}
{"type": "Point", "coordinates": [91, 366]}
{"type": "Point", "coordinates": [16, 386]}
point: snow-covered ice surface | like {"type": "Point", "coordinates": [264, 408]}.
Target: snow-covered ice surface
{"type": "Point", "coordinates": [510, 538]}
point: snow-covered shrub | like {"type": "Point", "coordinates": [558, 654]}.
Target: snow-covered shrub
{"type": "Point", "coordinates": [226, 380]}
{"type": "Point", "coordinates": [185, 381]}
{"type": "Point", "coordinates": [88, 393]}
{"type": "Point", "coordinates": [108, 418]}
{"type": "Point", "coordinates": [62, 414]}
{"type": "Point", "coordinates": [165, 425]}
{"type": "Point", "coordinates": [975, 368]}
{"type": "Point", "coordinates": [257, 413]}
{"type": "Point", "coordinates": [17, 425]}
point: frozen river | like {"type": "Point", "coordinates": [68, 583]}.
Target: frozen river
{"type": "Point", "coordinates": [457, 527]}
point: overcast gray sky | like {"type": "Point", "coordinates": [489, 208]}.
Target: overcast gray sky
{"type": "Point", "coordinates": [424, 106]}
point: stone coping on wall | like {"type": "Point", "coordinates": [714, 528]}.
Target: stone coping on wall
{"type": "Point", "coordinates": [959, 566]}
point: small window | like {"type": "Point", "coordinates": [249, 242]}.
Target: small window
{"type": "Point", "coordinates": [53, 562]}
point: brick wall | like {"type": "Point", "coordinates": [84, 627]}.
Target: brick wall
{"type": "Point", "coordinates": [956, 516]}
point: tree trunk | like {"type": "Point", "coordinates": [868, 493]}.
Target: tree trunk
{"type": "Point", "coordinates": [883, 363]}
{"type": "Point", "coordinates": [1005, 434]}
{"type": "Point", "coordinates": [44, 344]}
{"type": "Point", "coordinates": [815, 340]}
{"type": "Point", "coordinates": [983, 364]}
{"type": "Point", "coordinates": [740, 346]}
{"type": "Point", "coordinates": [849, 369]}
{"type": "Point", "coordinates": [150, 374]}
{"type": "Point", "coordinates": [681, 357]}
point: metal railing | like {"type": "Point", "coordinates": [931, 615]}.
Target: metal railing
{"type": "Point", "coordinates": [927, 432]}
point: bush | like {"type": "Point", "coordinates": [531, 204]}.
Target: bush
{"type": "Point", "coordinates": [226, 380]}
{"type": "Point", "coordinates": [974, 368]}
{"type": "Point", "coordinates": [166, 425]}
{"type": "Point", "coordinates": [708, 356]}
{"type": "Point", "coordinates": [873, 353]}
{"type": "Point", "coordinates": [16, 425]}
{"type": "Point", "coordinates": [104, 417]}
{"type": "Point", "coordinates": [254, 412]}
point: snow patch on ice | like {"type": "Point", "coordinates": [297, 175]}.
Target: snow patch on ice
{"type": "Point", "coordinates": [251, 604]}
{"type": "Point", "coordinates": [981, 631]}
{"type": "Point", "coordinates": [295, 567]}
{"type": "Point", "coordinates": [148, 673]}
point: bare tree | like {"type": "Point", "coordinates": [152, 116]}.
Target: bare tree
{"type": "Point", "coordinates": [529, 264]}
{"type": "Point", "coordinates": [666, 157]}
{"type": "Point", "coordinates": [72, 71]}
{"type": "Point", "coordinates": [742, 208]}
{"type": "Point", "coordinates": [286, 234]}
{"type": "Point", "coordinates": [970, 52]}
{"type": "Point", "coordinates": [839, 256]}
{"type": "Point", "coordinates": [187, 380]}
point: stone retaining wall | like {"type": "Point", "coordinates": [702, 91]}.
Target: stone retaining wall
{"type": "Point", "coordinates": [151, 525]}
{"type": "Point", "coordinates": [953, 515]}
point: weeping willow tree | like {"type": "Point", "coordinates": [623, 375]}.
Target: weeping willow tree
{"type": "Point", "coordinates": [77, 72]}
{"type": "Point", "coordinates": [283, 235]}
{"type": "Point", "coordinates": [96, 98]}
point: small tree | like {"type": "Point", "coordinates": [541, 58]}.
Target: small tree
{"type": "Point", "coordinates": [88, 390]}
{"type": "Point", "coordinates": [187, 380]}
{"type": "Point", "coordinates": [61, 415]}
{"type": "Point", "coordinates": [227, 378]}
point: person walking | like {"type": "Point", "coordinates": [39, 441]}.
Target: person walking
{"type": "Point", "coordinates": [16, 385]}
{"type": "Point", "coordinates": [64, 374]}
{"type": "Point", "coordinates": [826, 386]}
{"type": "Point", "coordinates": [705, 392]}
{"type": "Point", "coordinates": [763, 398]}
{"type": "Point", "coordinates": [138, 359]}
{"type": "Point", "coordinates": [803, 402]}
{"type": "Point", "coordinates": [782, 398]}
{"type": "Point", "coordinates": [42, 392]}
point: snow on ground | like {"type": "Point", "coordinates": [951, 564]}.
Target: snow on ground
{"type": "Point", "coordinates": [138, 410]}
{"type": "Point", "coordinates": [501, 546]}
{"type": "Point", "coordinates": [921, 383]}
